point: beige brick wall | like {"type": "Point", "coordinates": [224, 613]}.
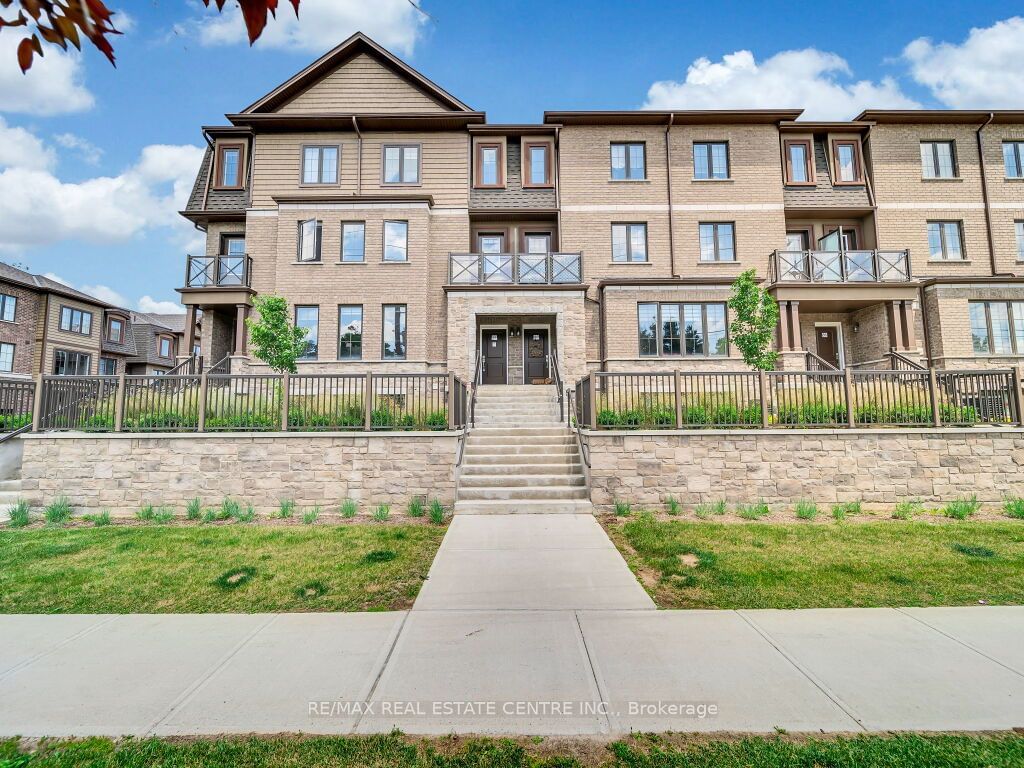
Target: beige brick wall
{"type": "Point", "coordinates": [124, 473]}
{"type": "Point", "coordinates": [949, 323]}
{"type": "Point", "coordinates": [877, 467]}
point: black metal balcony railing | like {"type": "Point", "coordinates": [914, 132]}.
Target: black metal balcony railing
{"type": "Point", "coordinates": [218, 272]}
{"type": "Point", "coordinates": [839, 267]}
{"type": "Point", "coordinates": [515, 268]}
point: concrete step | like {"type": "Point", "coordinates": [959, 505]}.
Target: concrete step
{"type": "Point", "coordinates": [543, 412]}
{"type": "Point", "coordinates": [524, 507]}
{"type": "Point", "coordinates": [512, 422]}
{"type": "Point", "coordinates": [510, 493]}
{"type": "Point", "coordinates": [523, 433]}
{"type": "Point", "coordinates": [529, 470]}
{"type": "Point", "coordinates": [521, 450]}
{"type": "Point", "coordinates": [513, 459]}
{"type": "Point", "coordinates": [513, 440]}
{"type": "Point", "coordinates": [520, 481]}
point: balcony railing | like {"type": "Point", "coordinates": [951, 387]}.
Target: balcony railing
{"type": "Point", "coordinates": [515, 268]}
{"type": "Point", "coordinates": [218, 272]}
{"type": "Point", "coordinates": [840, 267]}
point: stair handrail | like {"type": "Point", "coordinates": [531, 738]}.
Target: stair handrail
{"type": "Point", "coordinates": [477, 377]}
{"type": "Point", "coordinates": [902, 362]}
{"type": "Point", "coordinates": [557, 376]}
{"type": "Point", "coordinates": [20, 430]}
{"type": "Point", "coordinates": [582, 441]}
{"type": "Point", "coordinates": [816, 363]}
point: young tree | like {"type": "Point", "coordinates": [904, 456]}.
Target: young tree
{"type": "Point", "coordinates": [272, 337]}
{"type": "Point", "coordinates": [755, 315]}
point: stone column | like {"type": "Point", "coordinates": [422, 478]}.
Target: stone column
{"type": "Point", "coordinates": [796, 342]}
{"type": "Point", "coordinates": [240, 316]}
{"type": "Point", "coordinates": [907, 319]}
{"type": "Point", "coordinates": [190, 329]}
{"type": "Point", "coordinates": [784, 326]}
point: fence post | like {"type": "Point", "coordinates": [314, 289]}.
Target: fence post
{"type": "Point", "coordinates": [933, 396]}
{"type": "Point", "coordinates": [678, 386]}
{"type": "Point", "coordinates": [762, 392]}
{"type": "Point", "coordinates": [119, 400]}
{"type": "Point", "coordinates": [286, 383]}
{"type": "Point", "coordinates": [592, 416]}
{"type": "Point", "coordinates": [368, 401]}
{"type": "Point", "coordinates": [37, 404]}
{"type": "Point", "coordinates": [451, 400]}
{"type": "Point", "coordinates": [201, 422]}
{"type": "Point", "coordinates": [1017, 374]}
{"type": "Point", "coordinates": [848, 389]}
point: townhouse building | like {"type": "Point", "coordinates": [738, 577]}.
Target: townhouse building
{"type": "Point", "coordinates": [410, 234]}
{"type": "Point", "coordinates": [159, 343]}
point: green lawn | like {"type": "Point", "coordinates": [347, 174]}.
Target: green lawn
{"type": "Point", "coordinates": [801, 565]}
{"type": "Point", "coordinates": [643, 751]}
{"type": "Point", "coordinates": [207, 569]}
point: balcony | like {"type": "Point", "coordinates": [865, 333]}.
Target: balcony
{"type": "Point", "coordinates": [839, 267]}
{"type": "Point", "coordinates": [218, 272]}
{"type": "Point", "coordinates": [515, 268]}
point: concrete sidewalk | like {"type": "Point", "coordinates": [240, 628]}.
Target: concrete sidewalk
{"type": "Point", "coordinates": [529, 672]}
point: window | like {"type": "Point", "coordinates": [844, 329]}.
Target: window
{"type": "Point", "coordinates": [537, 243]}
{"type": "Point", "coordinates": [537, 164]}
{"type": "Point", "coordinates": [393, 337]}
{"type": "Point", "coordinates": [165, 346]}
{"type": "Point", "coordinates": [847, 162]}
{"type": "Point", "coordinates": [75, 321]}
{"type": "Point", "coordinates": [997, 327]}
{"type": "Point", "coordinates": [350, 332]}
{"type": "Point", "coordinates": [115, 330]}
{"type": "Point", "coordinates": [6, 357]}
{"type": "Point", "coordinates": [320, 165]}
{"type": "Point", "coordinates": [67, 363]}
{"type": "Point", "coordinates": [8, 305]}
{"type": "Point", "coordinates": [798, 162]}
{"type": "Point", "coordinates": [629, 162]}
{"type": "Point", "coordinates": [945, 240]}
{"type": "Point", "coordinates": [229, 166]}
{"type": "Point", "coordinates": [710, 160]}
{"type": "Point", "coordinates": [1013, 159]}
{"type": "Point", "coordinates": [310, 237]}
{"type": "Point", "coordinates": [629, 242]}
{"type": "Point", "coordinates": [938, 160]}
{"type": "Point", "coordinates": [673, 330]}
{"type": "Point", "coordinates": [717, 242]}
{"type": "Point", "coordinates": [490, 168]}
{"type": "Point", "coordinates": [402, 164]}
{"type": "Point", "coordinates": [233, 245]}
{"type": "Point", "coordinates": [308, 318]}
{"type": "Point", "coordinates": [396, 241]}
{"type": "Point", "coordinates": [108, 366]}
{"type": "Point", "coordinates": [353, 241]}
{"type": "Point", "coordinates": [1019, 226]}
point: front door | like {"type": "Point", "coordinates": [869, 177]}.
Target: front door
{"type": "Point", "coordinates": [495, 345]}
{"type": "Point", "coordinates": [535, 350]}
{"type": "Point", "coordinates": [828, 343]}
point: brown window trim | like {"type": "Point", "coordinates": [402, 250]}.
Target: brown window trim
{"type": "Point", "coordinates": [14, 352]}
{"type": "Point", "coordinates": [60, 314]}
{"type": "Point", "coordinates": [954, 156]}
{"type": "Point", "coordinates": [809, 150]}
{"type": "Point", "coordinates": [629, 242]}
{"type": "Point", "coordinates": [159, 338]}
{"type": "Point", "coordinates": [383, 340]}
{"type": "Point", "coordinates": [659, 327]}
{"type": "Point", "coordinates": [627, 144]}
{"type": "Point", "coordinates": [110, 323]}
{"type": "Point", "coordinates": [548, 169]}
{"type": "Point", "coordinates": [1011, 323]}
{"type": "Point", "coordinates": [717, 254]}
{"type": "Point", "coordinates": [528, 231]}
{"type": "Point", "coordinates": [709, 143]}
{"type": "Point", "coordinates": [858, 164]}
{"type": "Point", "coordinates": [221, 146]}
{"type": "Point", "coordinates": [384, 242]}
{"type": "Point", "coordinates": [225, 236]}
{"type": "Point", "coordinates": [419, 164]}
{"type": "Point", "coordinates": [857, 229]}
{"type": "Point", "coordinates": [478, 165]}
{"type": "Point", "coordinates": [942, 235]}
{"type": "Point", "coordinates": [302, 166]}
{"type": "Point", "coordinates": [501, 232]}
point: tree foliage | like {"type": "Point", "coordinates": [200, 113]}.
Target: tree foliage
{"type": "Point", "coordinates": [272, 337]}
{"type": "Point", "coordinates": [63, 22]}
{"type": "Point", "coordinates": [755, 315]}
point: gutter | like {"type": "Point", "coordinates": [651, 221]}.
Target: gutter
{"type": "Point", "coordinates": [924, 325]}
{"type": "Point", "coordinates": [359, 155]}
{"type": "Point", "coordinates": [864, 148]}
{"type": "Point", "coordinates": [984, 192]}
{"type": "Point", "coordinates": [668, 176]}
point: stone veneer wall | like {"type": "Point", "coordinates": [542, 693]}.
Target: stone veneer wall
{"type": "Point", "coordinates": [876, 466]}
{"type": "Point", "coordinates": [124, 472]}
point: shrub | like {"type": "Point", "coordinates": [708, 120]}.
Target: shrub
{"type": "Point", "coordinates": [310, 515]}
{"type": "Point", "coordinates": [720, 507]}
{"type": "Point", "coordinates": [753, 511]}
{"type": "Point", "coordinates": [841, 510]}
{"type": "Point", "coordinates": [100, 519]}
{"type": "Point", "coordinates": [286, 508]}
{"type": "Point", "coordinates": [961, 509]}
{"type": "Point", "coordinates": [623, 509]}
{"type": "Point", "coordinates": [906, 510]}
{"type": "Point", "coordinates": [1014, 507]}
{"type": "Point", "coordinates": [20, 514]}
{"type": "Point", "coordinates": [246, 515]}
{"type": "Point", "coordinates": [436, 512]}
{"type": "Point", "coordinates": [606, 417]}
{"type": "Point", "coordinates": [726, 414]}
{"type": "Point", "coordinates": [437, 420]}
{"type": "Point", "coordinates": [163, 515]}
{"type": "Point", "coordinates": [229, 508]}
{"type": "Point", "coordinates": [806, 510]}
{"type": "Point", "coordinates": [58, 512]}
{"type": "Point", "coordinates": [146, 513]}
{"type": "Point", "coordinates": [703, 510]}
{"type": "Point", "coordinates": [349, 508]}
{"type": "Point", "coordinates": [382, 512]}
{"type": "Point", "coordinates": [194, 509]}
{"type": "Point", "coordinates": [695, 414]}
{"type": "Point", "coordinates": [673, 505]}
{"type": "Point", "coordinates": [415, 508]}
{"type": "Point", "coordinates": [958, 414]}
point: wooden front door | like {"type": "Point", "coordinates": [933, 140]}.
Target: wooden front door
{"type": "Point", "coordinates": [535, 350]}
{"type": "Point", "coordinates": [828, 343]}
{"type": "Point", "coordinates": [495, 346]}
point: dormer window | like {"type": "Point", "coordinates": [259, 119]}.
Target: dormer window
{"type": "Point", "coordinates": [229, 166]}
{"type": "Point", "coordinates": [115, 330]}
{"type": "Point", "coordinates": [537, 164]}
{"type": "Point", "coordinates": [490, 165]}
{"type": "Point", "coordinates": [846, 158]}
{"type": "Point", "coordinates": [798, 162]}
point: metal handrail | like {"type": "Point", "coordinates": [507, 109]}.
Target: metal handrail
{"type": "Point", "coordinates": [815, 363]}
{"type": "Point", "coordinates": [557, 377]}
{"type": "Point", "coordinates": [902, 363]}
{"type": "Point", "coordinates": [477, 380]}
{"type": "Point", "coordinates": [224, 362]}
{"type": "Point", "coordinates": [581, 441]}
{"type": "Point", "coordinates": [193, 363]}
{"type": "Point", "coordinates": [842, 266]}
{"type": "Point", "coordinates": [552, 268]}
{"type": "Point", "coordinates": [220, 271]}
{"type": "Point", "coordinates": [20, 430]}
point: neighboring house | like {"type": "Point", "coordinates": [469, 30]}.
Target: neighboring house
{"type": "Point", "coordinates": [159, 342]}
{"type": "Point", "coordinates": [409, 234]}
{"type": "Point", "coordinates": [47, 327]}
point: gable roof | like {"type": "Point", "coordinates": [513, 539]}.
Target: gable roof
{"type": "Point", "coordinates": [43, 283]}
{"type": "Point", "coordinates": [355, 45]}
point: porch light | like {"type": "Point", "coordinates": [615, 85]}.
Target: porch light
{"type": "Point", "coordinates": [856, 327]}
{"type": "Point", "coordinates": [514, 331]}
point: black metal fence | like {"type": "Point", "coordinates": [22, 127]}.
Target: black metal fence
{"type": "Point", "coordinates": [17, 397]}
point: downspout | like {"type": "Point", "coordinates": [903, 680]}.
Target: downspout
{"type": "Point", "coordinates": [42, 343]}
{"type": "Point", "coordinates": [209, 175]}
{"type": "Point", "coordinates": [984, 193]}
{"type": "Point", "coordinates": [668, 176]}
{"type": "Point", "coordinates": [927, 339]}
{"type": "Point", "coordinates": [865, 148]}
{"type": "Point", "coordinates": [359, 156]}
{"type": "Point", "coordinates": [558, 186]}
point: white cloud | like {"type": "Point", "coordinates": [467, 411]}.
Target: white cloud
{"type": "Point", "coordinates": [22, 149]}
{"type": "Point", "coordinates": [321, 25]}
{"type": "Point", "coordinates": [53, 85]}
{"type": "Point", "coordinates": [105, 293]}
{"type": "Point", "coordinates": [157, 307]}
{"type": "Point", "coordinates": [982, 72]}
{"type": "Point", "coordinates": [86, 151]}
{"type": "Point", "coordinates": [818, 81]}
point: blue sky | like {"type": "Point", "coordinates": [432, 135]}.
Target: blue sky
{"type": "Point", "coordinates": [117, 148]}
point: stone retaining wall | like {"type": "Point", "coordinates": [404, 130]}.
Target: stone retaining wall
{"type": "Point", "coordinates": [125, 472]}
{"type": "Point", "coordinates": [878, 467]}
